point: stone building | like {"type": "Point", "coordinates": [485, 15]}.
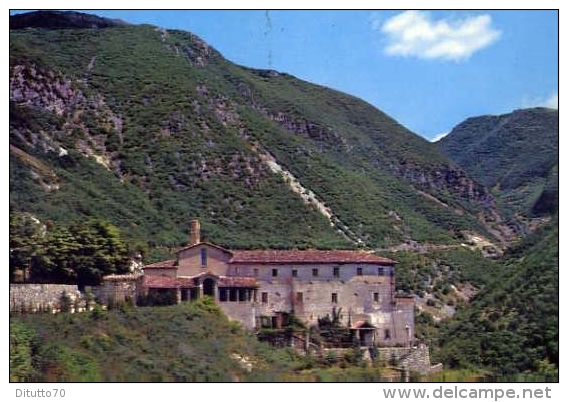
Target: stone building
{"type": "Point", "coordinates": [262, 287]}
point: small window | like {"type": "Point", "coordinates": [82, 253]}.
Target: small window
{"type": "Point", "coordinates": [274, 272]}
{"type": "Point", "coordinates": [381, 271]}
{"type": "Point", "coordinates": [264, 297]}
{"type": "Point", "coordinates": [255, 271]}
{"type": "Point", "coordinates": [336, 271]}
{"type": "Point", "coordinates": [359, 271]}
{"type": "Point", "coordinates": [376, 297]}
{"type": "Point", "coordinates": [203, 257]}
{"type": "Point", "coordinates": [334, 297]}
{"type": "Point", "coordinates": [299, 297]}
{"type": "Point", "coordinates": [315, 272]}
{"type": "Point", "coordinates": [294, 273]}
{"type": "Point", "coordinates": [387, 334]}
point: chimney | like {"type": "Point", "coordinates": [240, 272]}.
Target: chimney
{"type": "Point", "coordinates": [194, 232]}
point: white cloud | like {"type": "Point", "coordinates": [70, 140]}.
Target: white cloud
{"type": "Point", "coordinates": [439, 136]}
{"type": "Point", "coordinates": [550, 101]}
{"type": "Point", "coordinates": [415, 33]}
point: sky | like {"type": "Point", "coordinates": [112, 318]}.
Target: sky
{"type": "Point", "coordinates": [429, 70]}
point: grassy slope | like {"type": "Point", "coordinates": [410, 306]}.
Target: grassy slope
{"type": "Point", "coordinates": [173, 343]}
{"type": "Point", "coordinates": [188, 342]}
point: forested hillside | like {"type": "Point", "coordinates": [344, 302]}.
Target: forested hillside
{"type": "Point", "coordinates": [149, 128]}
{"type": "Point", "coordinates": [514, 155]}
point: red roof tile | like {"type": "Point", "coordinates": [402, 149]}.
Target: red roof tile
{"type": "Point", "coordinates": [362, 324]}
{"type": "Point", "coordinates": [161, 264]}
{"type": "Point", "coordinates": [165, 282]}
{"type": "Point", "coordinates": [237, 282]}
{"type": "Point", "coordinates": [308, 257]}
{"type": "Point", "coordinates": [204, 243]}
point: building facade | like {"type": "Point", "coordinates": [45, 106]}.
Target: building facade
{"type": "Point", "coordinates": [263, 287]}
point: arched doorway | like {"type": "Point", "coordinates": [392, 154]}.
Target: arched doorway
{"type": "Point", "coordinates": [209, 287]}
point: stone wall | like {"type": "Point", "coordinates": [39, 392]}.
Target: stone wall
{"type": "Point", "coordinates": [411, 359]}
{"type": "Point", "coordinates": [117, 288]}
{"type": "Point", "coordinates": [34, 298]}
{"type": "Point", "coordinates": [243, 312]}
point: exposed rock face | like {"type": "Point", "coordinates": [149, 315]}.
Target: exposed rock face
{"type": "Point", "coordinates": [35, 87]}
{"type": "Point", "coordinates": [83, 120]}
{"type": "Point", "coordinates": [199, 52]}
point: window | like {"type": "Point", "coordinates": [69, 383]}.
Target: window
{"type": "Point", "coordinates": [381, 271]}
{"type": "Point", "coordinates": [274, 272]}
{"type": "Point", "coordinates": [255, 272]}
{"type": "Point", "coordinates": [264, 297]}
{"type": "Point", "coordinates": [376, 297]}
{"type": "Point", "coordinates": [294, 273]}
{"type": "Point", "coordinates": [223, 294]}
{"type": "Point", "coordinates": [203, 257]}
{"type": "Point", "coordinates": [359, 271]}
{"type": "Point", "coordinates": [299, 297]}
{"type": "Point", "coordinates": [336, 271]}
{"type": "Point", "coordinates": [315, 272]}
{"type": "Point", "coordinates": [334, 297]}
{"type": "Point", "coordinates": [387, 334]}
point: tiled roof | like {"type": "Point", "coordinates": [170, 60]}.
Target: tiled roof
{"type": "Point", "coordinates": [165, 282]}
{"type": "Point", "coordinates": [204, 243]}
{"type": "Point", "coordinates": [362, 324]}
{"type": "Point", "coordinates": [123, 277]}
{"type": "Point", "coordinates": [308, 257]}
{"type": "Point", "coordinates": [161, 264]}
{"type": "Point", "coordinates": [237, 282]}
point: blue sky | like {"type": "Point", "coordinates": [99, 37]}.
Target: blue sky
{"type": "Point", "coordinates": [429, 70]}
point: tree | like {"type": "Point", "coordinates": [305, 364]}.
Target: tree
{"type": "Point", "coordinates": [100, 251]}
{"type": "Point", "coordinates": [81, 254]}
{"type": "Point", "coordinates": [26, 236]}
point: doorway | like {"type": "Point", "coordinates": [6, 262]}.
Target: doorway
{"type": "Point", "coordinates": [209, 287]}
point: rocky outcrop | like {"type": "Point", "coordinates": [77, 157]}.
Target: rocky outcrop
{"type": "Point", "coordinates": [81, 119]}
{"type": "Point", "coordinates": [35, 87]}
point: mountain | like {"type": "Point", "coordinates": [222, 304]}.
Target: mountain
{"type": "Point", "coordinates": [60, 20]}
{"type": "Point", "coordinates": [511, 325]}
{"type": "Point", "coordinates": [149, 128]}
{"type": "Point", "coordinates": [514, 155]}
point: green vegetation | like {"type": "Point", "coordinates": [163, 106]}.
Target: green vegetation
{"type": "Point", "coordinates": [511, 325]}
{"type": "Point", "coordinates": [175, 125]}
{"type": "Point", "coordinates": [187, 342]}
{"type": "Point", "coordinates": [515, 155]}
{"type": "Point", "coordinates": [508, 329]}
{"type": "Point", "coordinates": [82, 253]}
